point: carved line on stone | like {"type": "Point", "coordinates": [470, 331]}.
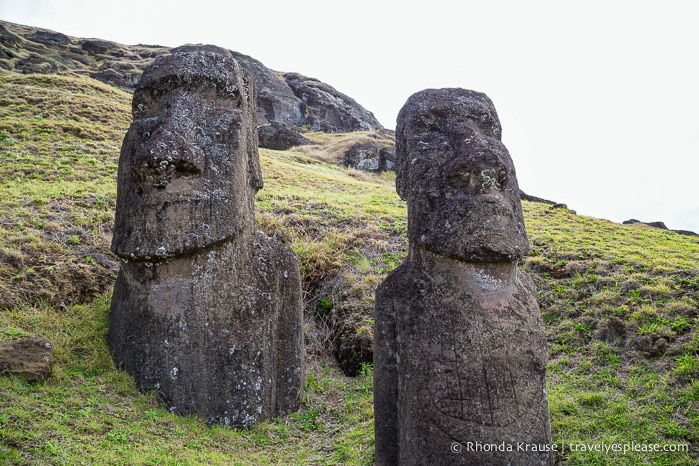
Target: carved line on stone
{"type": "Point", "coordinates": [467, 393]}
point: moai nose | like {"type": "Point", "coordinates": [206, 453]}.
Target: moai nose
{"type": "Point", "coordinates": [491, 171]}
{"type": "Point", "coordinates": [168, 156]}
{"type": "Point", "coordinates": [480, 165]}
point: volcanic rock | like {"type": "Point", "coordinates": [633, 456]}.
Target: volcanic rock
{"type": "Point", "coordinates": [460, 353]}
{"type": "Point", "coordinates": [206, 309]}
{"type": "Point", "coordinates": [30, 357]}
{"type": "Point", "coordinates": [327, 109]}
{"type": "Point", "coordinates": [277, 136]}
{"type": "Point", "coordinates": [370, 156]}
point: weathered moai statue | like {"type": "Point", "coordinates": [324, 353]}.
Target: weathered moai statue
{"type": "Point", "coordinates": [206, 309]}
{"type": "Point", "coordinates": [460, 351]}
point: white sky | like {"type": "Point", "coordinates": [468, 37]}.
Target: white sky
{"type": "Point", "coordinates": [599, 99]}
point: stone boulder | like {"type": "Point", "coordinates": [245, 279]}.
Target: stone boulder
{"type": "Point", "coordinates": [278, 136]}
{"type": "Point", "coordinates": [327, 109]}
{"type": "Point", "coordinates": [658, 224]}
{"type": "Point", "coordinates": [7, 38]}
{"type": "Point", "coordinates": [29, 357]}
{"type": "Point", "coordinates": [276, 102]}
{"type": "Point", "coordinates": [206, 309]}
{"type": "Point", "coordinates": [49, 38]}
{"type": "Point", "coordinates": [100, 47]}
{"type": "Point", "coordinates": [650, 346]}
{"type": "Point", "coordinates": [370, 156]}
{"type": "Point", "coordinates": [36, 64]}
{"type": "Point", "coordinates": [459, 344]}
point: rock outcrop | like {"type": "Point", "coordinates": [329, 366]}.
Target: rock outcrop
{"type": "Point", "coordinates": [460, 350]}
{"type": "Point", "coordinates": [206, 309]}
{"type": "Point", "coordinates": [29, 357]}
{"type": "Point", "coordinates": [298, 102]}
{"type": "Point", "coordinates": [659, 225]}
{"type": "Point", "coordinates": [370, 156]}
{"type": "Point", "coordinates": [278, 136]}
{"type": "Point", "coordinates": [327, 109]}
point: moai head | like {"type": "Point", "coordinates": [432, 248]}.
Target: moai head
{"type": "Point", "coordinates": [189, 167]}
{"type": "Point", "coordinates": [458, 178]}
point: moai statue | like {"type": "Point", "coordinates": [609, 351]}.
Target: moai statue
{"type": "Point", "coordinates": [206, 309]}
{"type": "Point", "coordinates": [460, 350]}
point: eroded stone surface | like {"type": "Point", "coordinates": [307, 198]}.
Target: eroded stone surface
{"type": "Point", "coordinates": [370, 156]}
{"type": "Point", "coordinates": [29, 357]}
{"type": "Point", "coordinates": [460, 353]}
{"type": "Point", "coordinates": [470, 208]}
{"type": "Point", "coordinates": [328, 110]}
{"type": "Point", "coordinates": [278, 136]}
{"type": "Point", "coordinates": [206, 309]}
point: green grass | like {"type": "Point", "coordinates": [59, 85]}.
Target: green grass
{"type": "Point", "coordinates": [620, 303]}
{"type": "Point", "coordinates": [89, 413]}
{"type": "Point", "coordinates": [602, 286]}
{"type": "Point", "coordinates": [59, 142]}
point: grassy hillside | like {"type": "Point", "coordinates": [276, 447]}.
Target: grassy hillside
{"type": "Point", "coordinates": [620, 304]}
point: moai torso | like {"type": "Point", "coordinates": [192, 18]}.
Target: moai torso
{"type": "Point", "coordinates": [469, 364]}
{"type": "Point", "coordinates": [206, 309]}
{"type": "Point", "coordinates": [460, 353]}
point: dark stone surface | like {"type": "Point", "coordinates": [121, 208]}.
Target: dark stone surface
{"type": "Point", "coordinates": [370, 156]}
{"type": "Point", "coordinates": [471, 209]}
{"type": "Point", "coordinates": [527, 197]}
{"type": "Point", "coordinates": [278, 136]}
{"type": "Point", "coordinates": [29, 357]}
{"type": "Point", "coordinates": [460, 353]}
{"type": "Point", "coordinates": [206, 309]}
{"type": "Point", "coordinates": [98, 47]}
{"type": "Point", "coordinates": [276, 102]}
{"type": "Point", "coordinates": [659, 225]}
{"type": "Point", "coordinates": [8, 39]}
{"type": "Point", "coordinates": [49, 38]}
{"type": "Point", "coordinates": [35, 64]}
{"type": "Point", "coordinates": [328, 110]}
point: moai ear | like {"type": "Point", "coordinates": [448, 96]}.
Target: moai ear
{"type": "Point", "coordinates": [254, 170]}
{"type": "Point", "coordinates": [401, 164]}
{"type": "Point", "coordinates": [249, 93]}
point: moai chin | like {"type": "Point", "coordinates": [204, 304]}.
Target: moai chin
{"type": "Point", "coordinates": [460, 350]}
{"type": "Point", "coordinates": [206, 309]}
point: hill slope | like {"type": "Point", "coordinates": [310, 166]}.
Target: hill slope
{"type": "Point", "coordinates": [291, 99]}
{"type": "Point", "coordinates": [620, 303]}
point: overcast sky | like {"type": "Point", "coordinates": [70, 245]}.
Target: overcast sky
{"type": "Point", "coordinates": [598, 99]}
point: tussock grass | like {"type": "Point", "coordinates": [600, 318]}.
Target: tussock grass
{"type": "Point", "coordinates": [620, 303]}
